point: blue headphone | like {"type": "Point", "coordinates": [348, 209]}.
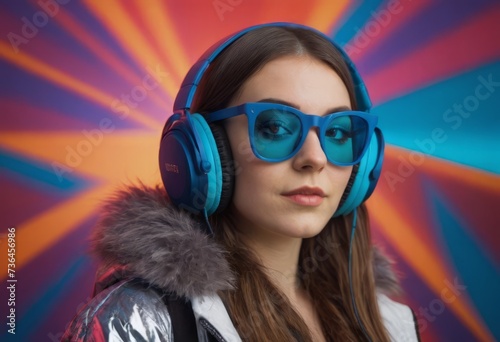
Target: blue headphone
{"type": "Point", "coordinates": [195, 158]}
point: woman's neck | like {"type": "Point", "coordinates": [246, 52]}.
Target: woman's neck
{"type": "Point", "coordinates": [280, 257]}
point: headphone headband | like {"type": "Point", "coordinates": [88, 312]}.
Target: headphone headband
{"type": "Point", "coordinates": [185, 96]}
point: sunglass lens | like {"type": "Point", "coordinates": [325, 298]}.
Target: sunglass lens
{"type": "Point", "coordinates": [276, 133]}
{"type": "Point", "coordinates": [345, 138]}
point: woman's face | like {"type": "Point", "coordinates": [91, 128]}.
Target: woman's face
{"type": "Point", "coordinates": [266, 201]}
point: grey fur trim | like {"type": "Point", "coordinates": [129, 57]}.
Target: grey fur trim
{"type": "Point", "coordinates": [386, 279]}
{"type": "Point", "coordinates": [141, 230]}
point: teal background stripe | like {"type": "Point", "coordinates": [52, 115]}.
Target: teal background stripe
{"type": "Point", "coordinates": [39, 174]}
{"type": "Point", "coordinates": [346, 30]}
{"type": "Point", "coordinates": [409, 121]}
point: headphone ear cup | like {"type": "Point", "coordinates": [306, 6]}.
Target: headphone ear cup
{"type": "Point", "coordinates": [227, 164]}
{"type": "Point", "coordinates": [361, 186]}
{"type": "Point", "coordinates": [186, 186]}
{"type": "Point", "coordinates": [348, 187]}
{"type": "Point", "coordinates": [214, 182]}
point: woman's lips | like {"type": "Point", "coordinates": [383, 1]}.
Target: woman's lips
{"type": "Point", "coordinates": [307, 196]}
{"type": "Point", "coordinates": [306, 200]}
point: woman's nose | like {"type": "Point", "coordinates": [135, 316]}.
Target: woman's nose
{"type": "Point", "coordinates": [311, 155]}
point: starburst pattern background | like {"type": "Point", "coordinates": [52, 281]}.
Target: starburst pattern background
{"type": "Point", "coordinates": [86, 87]}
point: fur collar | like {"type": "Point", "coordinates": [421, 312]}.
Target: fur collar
{"type": "Point", "coordinates": [142, 235]}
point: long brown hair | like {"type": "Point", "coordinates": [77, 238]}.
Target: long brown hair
{"type": "Point", "coordinates": [259, 310]}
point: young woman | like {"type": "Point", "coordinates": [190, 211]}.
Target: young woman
{"type": "Point", "coordinates": [254, 237]}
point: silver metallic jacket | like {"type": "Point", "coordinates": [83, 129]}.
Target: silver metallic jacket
{"type": "Point", "coordinates": [147, 248]}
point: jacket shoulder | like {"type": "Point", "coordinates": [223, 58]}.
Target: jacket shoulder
{"type": "Point", "coordinates": [398, 319]}
{"type": "Point", "coordinates": [127, 311]}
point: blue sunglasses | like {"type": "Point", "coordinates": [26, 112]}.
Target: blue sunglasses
{"type": "Point", "coordinates": [277, 132]}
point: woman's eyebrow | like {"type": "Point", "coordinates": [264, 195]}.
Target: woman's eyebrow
{"type": "Point", "coordinates": [278, 101]}
{"type": "Point", "coordinates": [338, 109]}
{"type": "Point", "coordinates": [289, 104]}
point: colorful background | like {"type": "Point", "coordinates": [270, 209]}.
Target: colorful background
{"type": "Point", "coordinates": [80, 116]}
